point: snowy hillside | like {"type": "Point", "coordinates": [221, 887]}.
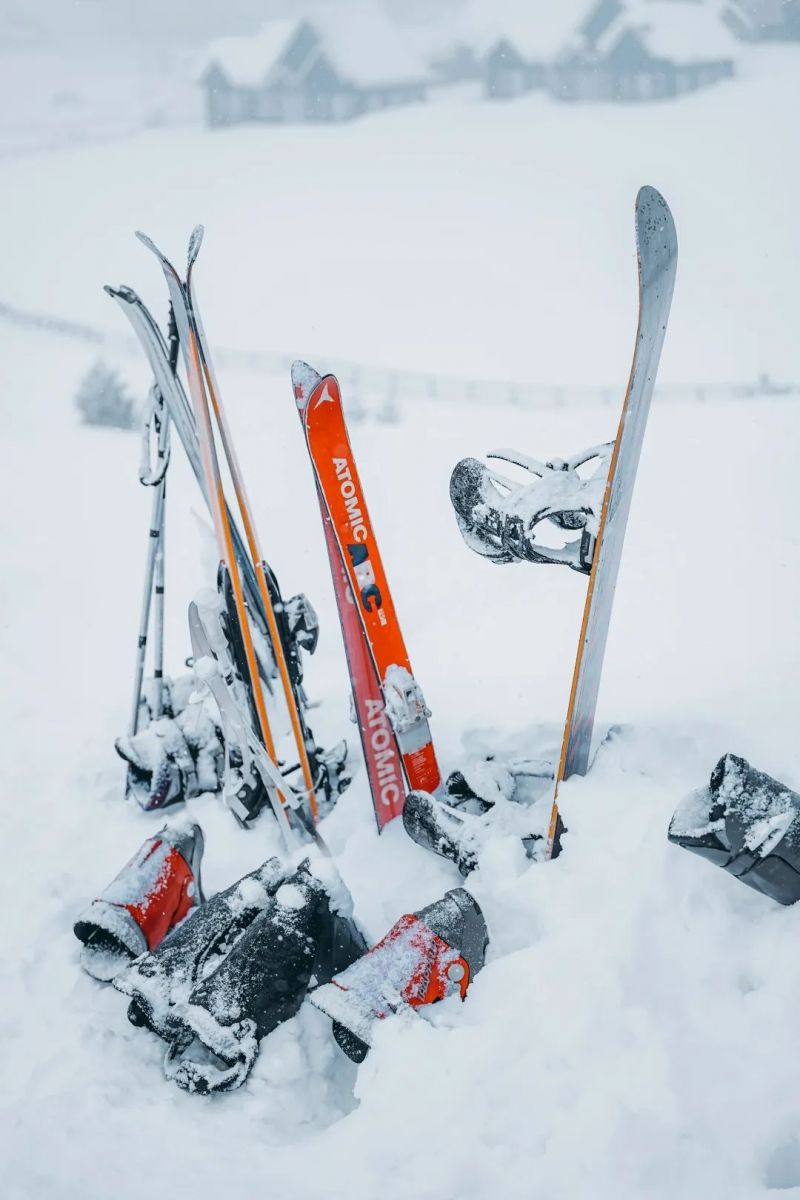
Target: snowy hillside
{"type": "Point", "coordinates": [633, 1033]}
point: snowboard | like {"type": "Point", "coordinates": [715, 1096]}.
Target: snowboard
{"type": "Point", "coordinates": [657, 253]}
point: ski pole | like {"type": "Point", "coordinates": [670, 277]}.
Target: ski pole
{"type": "Point", "coordinates": [154, 567]}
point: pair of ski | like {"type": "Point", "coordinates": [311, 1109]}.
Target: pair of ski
{"type": "Point", "coordinates": [380, 671]}
{"type": "Point", "coordinates": [246, 581]}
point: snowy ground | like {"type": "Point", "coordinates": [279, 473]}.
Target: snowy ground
{"type": "Point", "coordinates": [634, 1032]}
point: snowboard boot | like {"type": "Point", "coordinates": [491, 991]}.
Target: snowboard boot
{"type": "Point", "coordinates": [747, 823]}
{"type": "Point", "coordinates": [425, 957]}
{"type": "Point", "coordinates": [298, 938]}
{"type": "Point", "coordinates": [159, 983]}
{"type": "Point", "coordinates": [152, 893]}
{"type": "Point", "coordinates": [498, 517]}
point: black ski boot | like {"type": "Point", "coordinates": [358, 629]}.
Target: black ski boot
{"type": "Point", "coordinates": [260, 984]}
{"type": "Point", "coordinates": [159, 983]}
{"type": "Point", "coordinates": [152, 894]}
{"type": "Point", "coordinates": [749, 824]}
{"type": "Point", "coordinates": [425, 957]}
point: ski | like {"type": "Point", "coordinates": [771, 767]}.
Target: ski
{"type": "Point", "coordinates": [344, 507]}
{"type": "Point", "coordinates": [171, 390]}
{"type": "Point", "coordinates": [296, 622]}
{"type": "Point", "coordinates": [381, 755]}
{"type": "Point", "coordinates": [657, 253]}
{"type": "Point", "coordinates": [293, 705]}
{"type": "Point", "coordinates": [211, 471]}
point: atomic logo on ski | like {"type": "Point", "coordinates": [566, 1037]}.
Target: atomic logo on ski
{"type": "Point", "coordinates": [384, 755]}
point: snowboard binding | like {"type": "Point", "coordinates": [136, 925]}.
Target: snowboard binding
{"type": "Point", "coordinates": [488, 798]}
{"type": "Point", "coordinates": [499, 518]}
{"type": "Point", "coordinates": [747, 823]}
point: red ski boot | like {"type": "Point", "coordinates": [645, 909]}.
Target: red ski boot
{"type": "Point", "coordinates": [424, 957]}
{"type": "Point", "coordinates": [157, 889]}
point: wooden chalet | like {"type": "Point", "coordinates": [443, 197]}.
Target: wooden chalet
{"type": "Point", "coordinates": [330, 67]}
{"type": "Point", "coordinates": [651, 50]}
{"type": "Point", "coordinates": [764, 20]}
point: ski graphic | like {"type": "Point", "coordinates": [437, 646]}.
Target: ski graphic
{"type": "Point", "coordinates": [657, 254]}
{"type": "Point", "coordinates": [340, 487]}
{"type": "Point", "coordinates": [381, 756]}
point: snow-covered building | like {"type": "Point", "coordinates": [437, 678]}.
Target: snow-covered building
{"type": "Point", "coordinates": [764, 20]}
{"type": "Point", "coordinates": [646, 50]}
{"type": "Point", "coordinates": [327, 67]}
{"type": "Point", "coordinates": [519, 42]}
{"type": "Point", "coordinates": [608, 50]}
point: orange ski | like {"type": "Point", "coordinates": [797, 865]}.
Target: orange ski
{"type": "Point", "coordinates": [340, 488]}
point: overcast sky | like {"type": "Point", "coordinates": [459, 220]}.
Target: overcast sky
{"type": "Point", "coordinates": [50, 23]}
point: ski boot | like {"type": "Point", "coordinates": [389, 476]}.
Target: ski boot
{"type": "Point", "coordinates": [177, 756]}
{"type": "Point", "coordinates": [159, 983]}
{"type": "Point", "coordinates": [152, 894]}
{"type": "Point", "coordinates": [747, 823]}
{"type": "Point", "coordinates": [426, 956]}
{"type": "Point", "coordinates": [262, 982]}
{"type": "Point", "coordinates": [498, 517]}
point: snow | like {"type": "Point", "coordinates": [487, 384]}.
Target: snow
{"type": "Point", "coordinates": [491, 21]}
{"type": "Point", "coordinates": [679, 32]}
{"type": "Point", "coordinates": [634, 1032]}
{"type": "Point", "coordinates": [247, 61]}
{"type": "Point", "coordinates": [362, 45]}
{"type": "Point", "coordinates": [365, 47]}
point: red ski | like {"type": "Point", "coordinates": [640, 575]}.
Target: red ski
{"type": "Point", "coordinates": [380, 669]}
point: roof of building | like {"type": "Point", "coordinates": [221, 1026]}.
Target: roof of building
{"type": "Point", "coordinates": [247, 60]}
{"type": "Point", "coordinates": [676, 30]}
{"type": "Point", "coordinates": [360, 43]}
{"type": "Point", "coordinates": [365, 47]}
{"type": "Point", "coordinates": [539, 31]}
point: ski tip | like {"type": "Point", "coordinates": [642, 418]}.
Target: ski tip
{"type": "Point", "coordinates": [123, 292]}
{"type": "Point", "coordinates": [147, 241]}
{"type": "Point", "coordinates": [162, 258]}
{"type": "Point", "coordinates": [195, 242]}
{"type": "Point", "coordinates": [656, 238]}
{"type": "Point", "coordinates": [304, 380]}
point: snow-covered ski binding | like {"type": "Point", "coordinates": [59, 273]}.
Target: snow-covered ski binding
{"type": "Point", "coordinates": [176, 755]}
{"type": "Point", "coordinates": [747, 823]}
{"type": "Point", "coordinates": [460, 831]}
{"type": "Point", "coordinates": [500, 518]}
{"type": "Point", "coordinates": [152, 893]}
{"type": "Point", "coordinates": [425, 957]}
